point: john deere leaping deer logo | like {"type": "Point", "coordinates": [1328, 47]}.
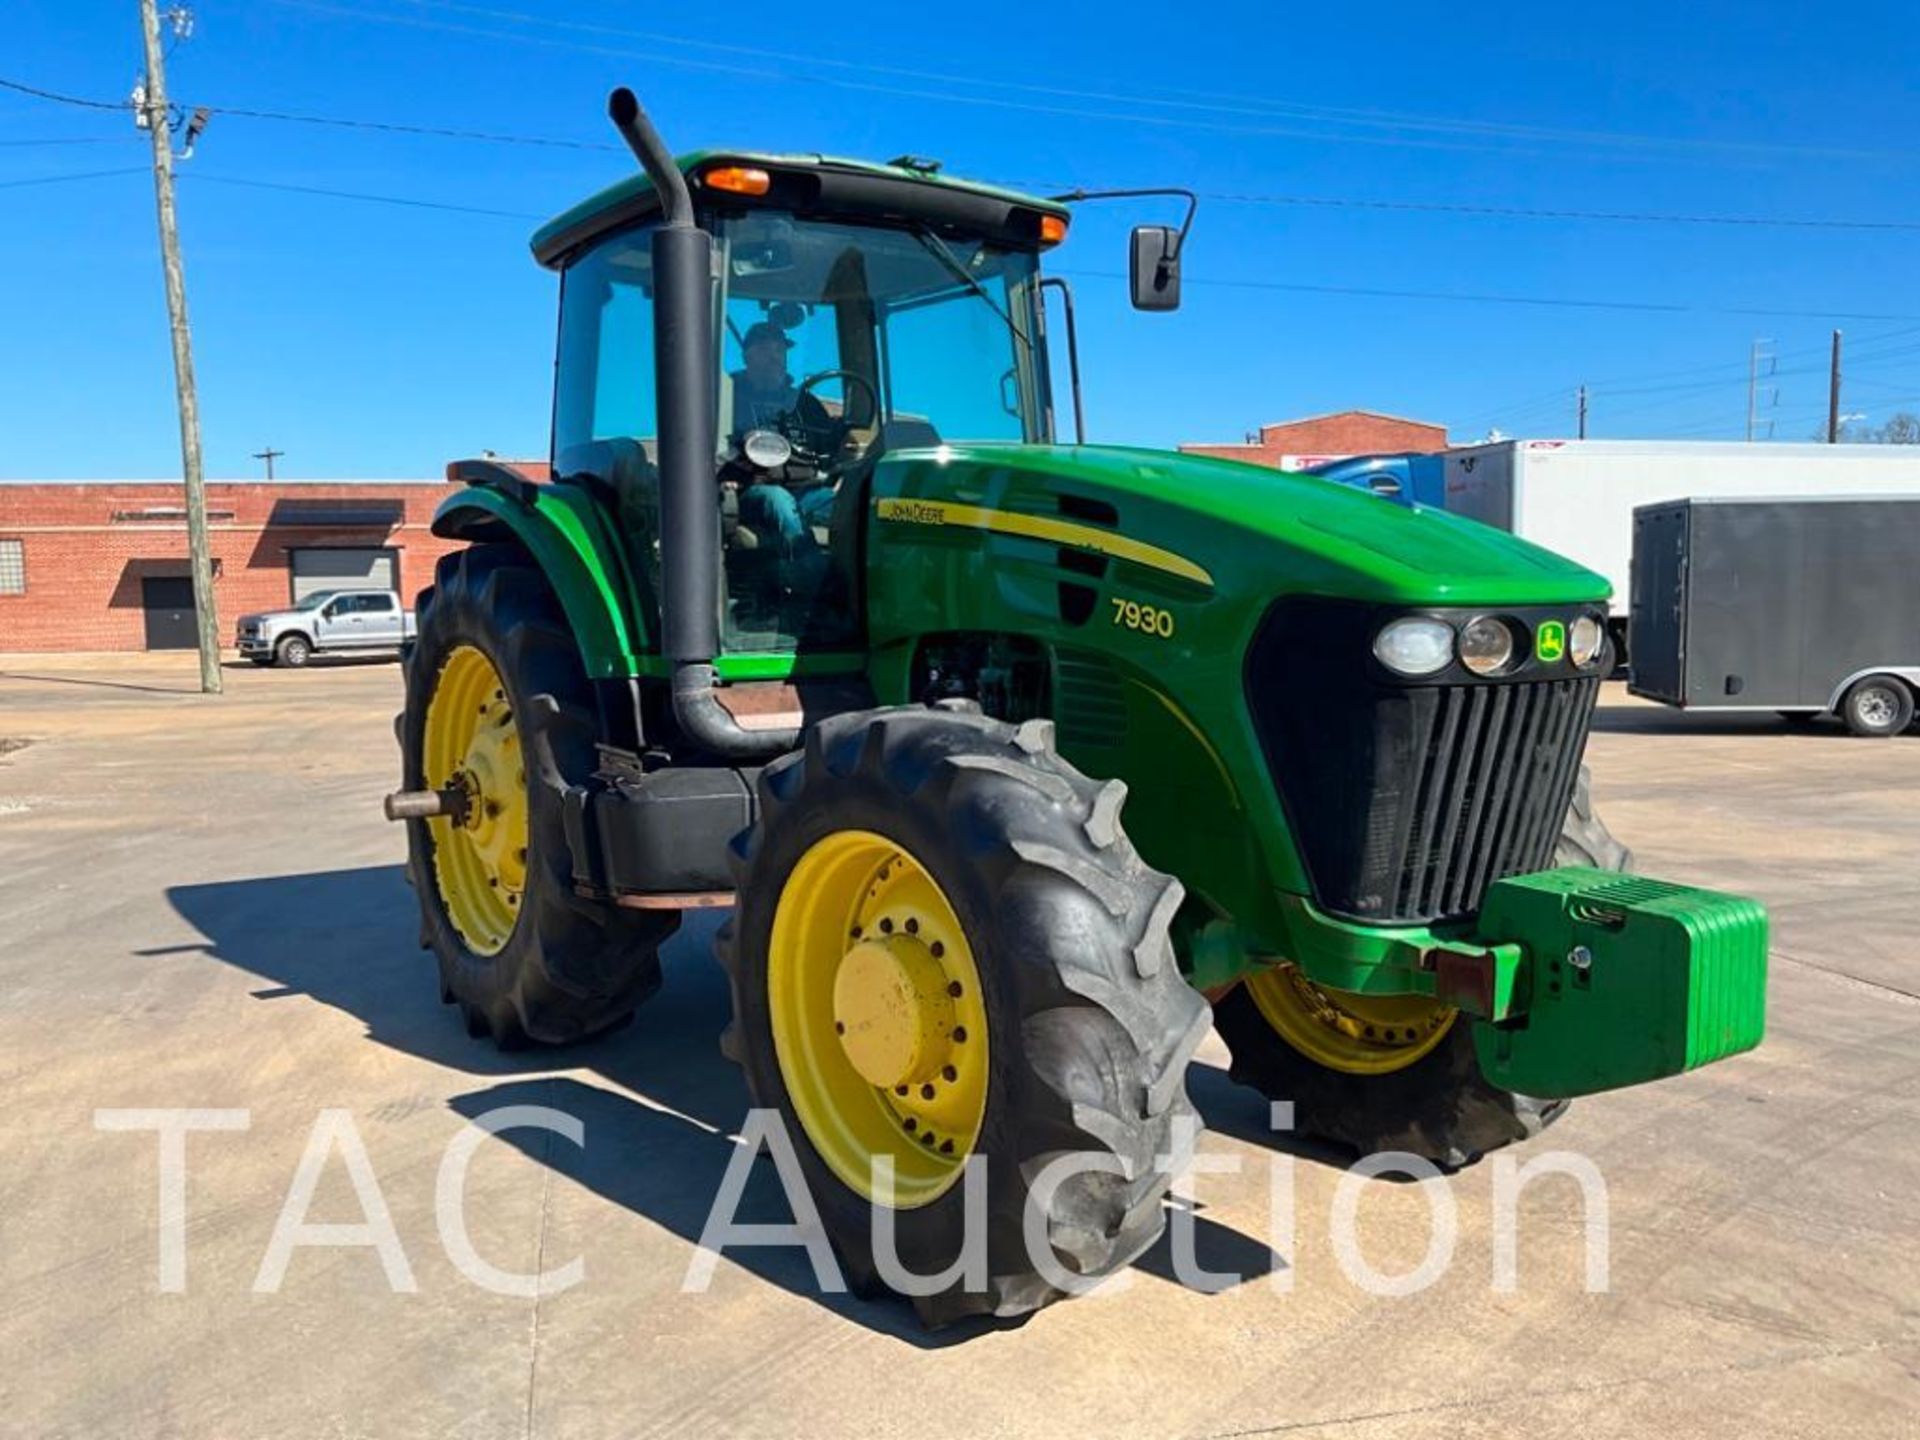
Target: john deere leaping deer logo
{"type": "Point", "coordinates": [1550, 641]}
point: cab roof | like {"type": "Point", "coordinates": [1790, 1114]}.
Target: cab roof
{"type": "Point", "coordinates": [821, 185]}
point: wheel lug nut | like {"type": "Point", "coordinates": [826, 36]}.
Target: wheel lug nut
{"type": "Point", "coordinates": [900, 1090]}
{"type": "Point", "coordinates": [839, 1027]}
{"type": "Point", "coordinates": [926, 1092]}
{"type": "Point", "coordinates": [886, 927]}
{"type": "Point", "coordinates": [960, 1034]}
{"type": "Point", "coordinates": [946, 1147]}
{"type": "Point", "coordinates": [913, 927]}
{"type": "Point", "coordinates": [954, 988]}
{"type": "Point", "coordinates": [912, 1124]}
{"type": "Point", "coordinates": [949, 1074]}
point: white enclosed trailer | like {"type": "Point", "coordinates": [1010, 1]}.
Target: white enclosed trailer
{"type": "Point", "coordinates": [1577, 497]}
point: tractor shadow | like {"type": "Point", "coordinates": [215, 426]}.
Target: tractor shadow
{"type": "Point", "coordinates": [661, 1105]}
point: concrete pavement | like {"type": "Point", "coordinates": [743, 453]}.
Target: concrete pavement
{"type": "Point", "coordinates": [199, 906]}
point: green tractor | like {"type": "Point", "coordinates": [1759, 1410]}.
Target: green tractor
{"type": "Point", "coordinates": [1020, 763]}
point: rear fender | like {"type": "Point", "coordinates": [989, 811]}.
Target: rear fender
{"type": "Point", "coordinates": [564, 532]}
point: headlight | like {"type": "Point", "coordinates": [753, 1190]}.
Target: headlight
{"type": "Point", "coordinates": [1416, 645]}
{"type": "Point", "coordinates": [1585, 639]}
{"type": "Point", "coordinates": [1486, 645]}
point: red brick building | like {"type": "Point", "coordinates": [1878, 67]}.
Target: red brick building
{"type": "Point", "coordinates": [102, 565]}
{"type": "Point", "coordinates": [1296, 444]}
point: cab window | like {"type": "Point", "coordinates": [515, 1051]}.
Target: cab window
{"type": "Point", "coordinates": [841, 343]}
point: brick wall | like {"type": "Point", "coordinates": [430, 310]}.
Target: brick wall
{"type": "Point", "coordinates": [1330, 437]}
{"type": "Point", "coordinates": [88, 546]}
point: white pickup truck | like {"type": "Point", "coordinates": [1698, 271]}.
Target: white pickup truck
{"type": "Point", "coordinates": [327, 622]}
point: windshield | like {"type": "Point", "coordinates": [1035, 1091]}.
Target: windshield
{"type": "Point", "coordinates": [938, 330]}
{"type": "Point", "coordinates": [315, 600]}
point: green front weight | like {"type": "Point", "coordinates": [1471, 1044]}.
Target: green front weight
{"type": "Point", "coordinates": [1627, 980]}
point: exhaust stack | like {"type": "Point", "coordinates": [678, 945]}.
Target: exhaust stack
{"type": "Point", "coordinates": [689, 505]}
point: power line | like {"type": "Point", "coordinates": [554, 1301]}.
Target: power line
{"type": "Point", "coordinates": [55, 95]}
{"type": "Point", "coordinates": [1132, 99]}
{"type": "Point", "coordinates": [1357, 291]}
{"type": "Point", "coordinates": [1634, 217]}
{"type": "Point", "coordinates": [333, 194]}
{"type": "Point", "coordinates": [63, 179]}
{"type": "Point", "coordinates": [70, 140]}
{"type": "Point", "coordinates": [1657, 307]}
{"type": "Point", "coordinates": [1440, 207]}
{"type": "Point", "coordinates": [491, 137]}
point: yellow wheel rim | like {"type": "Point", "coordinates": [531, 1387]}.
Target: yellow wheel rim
{"type": "Point", "coordinates": [1358, 1034]}
{"type": "Point", "coordinates": [472, 744]}
{"type": "Point", "coordinates": [879, 1024]}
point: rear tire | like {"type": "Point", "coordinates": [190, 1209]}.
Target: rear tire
{"type": "Point", "coordinates": [1089, 1025]}
{"type": "Point", "coordinates": [571, 967]}
{"type": "Point", "coordinates": [1438, 1107]}
{"type": "Point", "coordinates": [1878, 706]}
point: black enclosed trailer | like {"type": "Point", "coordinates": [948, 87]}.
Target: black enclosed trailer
{"type": "Point", "coordinates": [1802, 606]}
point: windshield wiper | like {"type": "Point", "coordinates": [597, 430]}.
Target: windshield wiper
{"type": "Point", "coordinates": [940, 251]}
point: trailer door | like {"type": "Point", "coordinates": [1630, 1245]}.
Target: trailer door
{"type": "Point", "coordinates": [1656, 625]}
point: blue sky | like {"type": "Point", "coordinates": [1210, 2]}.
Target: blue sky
{"type": "Point", "coordinates": [368, 339]}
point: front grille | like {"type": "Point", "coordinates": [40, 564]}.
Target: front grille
{"type": "Point", "coordinates": [1406, 800]}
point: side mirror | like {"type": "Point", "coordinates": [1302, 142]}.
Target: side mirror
{"type": "Point", "coordinates": [1155, 268]}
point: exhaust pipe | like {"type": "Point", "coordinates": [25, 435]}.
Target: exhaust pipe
{"type": "Point", "coordinates": [689, 505]}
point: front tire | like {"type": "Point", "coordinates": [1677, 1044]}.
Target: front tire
{"type": "Point", "coordinates": [963, 863]}
{"type": "Point", "coordinates": [1878, 706]}
{"type": "Point", "coordinates": [1391, 1073]}
{"type": "Point", "coordinates": [498, 704]}
{"type": "Point", "coordinates": [293, 652]}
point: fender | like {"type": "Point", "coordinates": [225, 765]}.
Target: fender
{"type": "Point", "coordinates": [561, 529]}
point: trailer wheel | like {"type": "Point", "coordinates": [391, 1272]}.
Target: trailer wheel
{"type": "Point", "coordinates": [946, 951]}
{"type": "Point", "coordinates": [1878, 706]}
{"type": "Point", "coordinates": [498, 706]}
{"type": "Point", "coordinates": [1374, 1073]}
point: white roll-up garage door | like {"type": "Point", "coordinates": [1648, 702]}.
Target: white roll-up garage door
{"type": "Point", "coordinates": [343, 569]}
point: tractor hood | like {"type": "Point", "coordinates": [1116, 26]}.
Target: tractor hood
{"type": "Point", "coordinates": [1247, 525]}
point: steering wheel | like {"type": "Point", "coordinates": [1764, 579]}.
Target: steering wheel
{"type": "Point", "coordinates": [823, 442]}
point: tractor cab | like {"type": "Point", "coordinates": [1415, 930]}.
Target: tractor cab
{"type": "Point", "coordinates": [858, 311]}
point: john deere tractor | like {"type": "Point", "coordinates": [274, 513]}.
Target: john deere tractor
{"type": "Point", "coordinates": [1021, 763]}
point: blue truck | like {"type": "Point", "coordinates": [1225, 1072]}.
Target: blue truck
{"type": "Point", "coordinates": [1407, 479]}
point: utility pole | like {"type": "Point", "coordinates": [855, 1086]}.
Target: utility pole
{"type": "Point", "coordinates": [1833, 394]}
{"type": "Point", "coordinates": [1583, 412]}
{"type": "Point", "coordinates": [1754, 357]}
{"type": "Point", "coordinates": [269, 455]}
{"type": "Point", "coordinates": [159, 125]}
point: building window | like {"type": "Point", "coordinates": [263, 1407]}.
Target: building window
{"type": "Point", "coordinates": [13, 567]}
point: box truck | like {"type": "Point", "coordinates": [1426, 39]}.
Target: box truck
{"type": "Point", "coordinates": [1578, 496]}
{"type": "Point", "coordinates": [1804, 606]}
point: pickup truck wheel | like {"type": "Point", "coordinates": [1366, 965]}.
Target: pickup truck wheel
{"type": "Point", "coordinates": [293, 652]}
{"type": "Point", "coordinates": [1374, 1073]}
{"type": "Point", "coordinates": [498, 705]}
